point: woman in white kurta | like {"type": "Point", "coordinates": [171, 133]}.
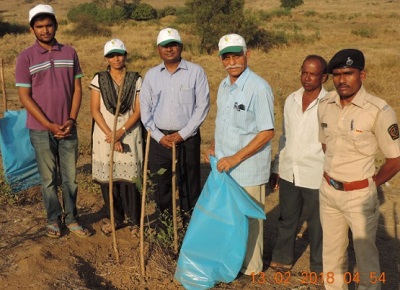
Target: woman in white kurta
{"type": "Point", "coordinates": [128, 148]}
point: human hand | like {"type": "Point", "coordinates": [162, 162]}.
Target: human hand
{"type": "Point", "coordinates": [274, 181]}
{"type": "Point", "coordinates": [207, 153]}
{"type": "Point", "coordinates": [227, 163]}
{"type": "Point", "coordinates": [57, 131]}
{"type": "Point", "coordinates": [164, 141]}
{"type": "Point", "coordinates": [118, 134]}
{"type": "Point", "coordinates": [118, 147]}
{"type": "Point", "coordinates": [174, 138]}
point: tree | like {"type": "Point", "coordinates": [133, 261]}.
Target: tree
{"type": "Point", "coordinates": [290, 4]}
{"type": "Point", "coordinates": [214, 18]}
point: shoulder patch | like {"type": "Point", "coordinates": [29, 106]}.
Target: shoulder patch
{"type": "Point", "coordinates": [393, 131]}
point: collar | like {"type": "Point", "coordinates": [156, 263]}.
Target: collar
{"type": "Point", "coordinates": [298, 95]}
{"type": "Point", "coordinates": [240, 82]}
{"type": "Point", "coordinates": [56, 46]}
{"type": "Point", "coordinates": [358, 99]}
{"type": "Point", "coordinates": [182, 65]}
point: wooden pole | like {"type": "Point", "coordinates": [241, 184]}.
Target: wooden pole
{"type": "Point", "coordinates": [143, 209]}
{"type": "Point", "coordinates": [174, 197]}
{"type": "Point", "coordinates": [111, 175]}
{"type": "Point", "coordinates": [3, 87]}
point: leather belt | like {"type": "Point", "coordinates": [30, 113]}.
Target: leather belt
{"type": "Point", "coordinates": [168, 132]}
{"type": "Point", "coordinates": [347, 186]}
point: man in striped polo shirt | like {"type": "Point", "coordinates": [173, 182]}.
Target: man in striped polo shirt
{"type": "Point", "coordinates": [48, 77]}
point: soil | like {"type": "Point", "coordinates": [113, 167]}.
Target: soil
{"type": "Point", "coordinates": [30, 260]}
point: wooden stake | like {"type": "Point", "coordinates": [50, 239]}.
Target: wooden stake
{"type": "Point", "coordinates": [111, 175]}
{"type": "Point", "coordinates": [174, 197]}
{"type": "Point", "coordinates": [143, 209]}
{"type": "Point", "coordinates": [3, 87]}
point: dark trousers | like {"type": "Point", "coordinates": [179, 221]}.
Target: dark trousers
{"type": "Point", "coordinates": [291, 201]}
{"type": "Point", "coordinates": [187, 171]}
{"type": "Point", "coordinates": [127, 202]}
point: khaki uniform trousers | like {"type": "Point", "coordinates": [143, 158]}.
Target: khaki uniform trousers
{"type": "Point", "coordinates": [359, 211]}
{"type": "Point", "coordinates": [253, 261]}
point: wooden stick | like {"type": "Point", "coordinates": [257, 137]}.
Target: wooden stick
{"type": "Point", "coordinates": [111, 175]}
{"type": "Point", "coordinates": [174, 197]}
{"type": "Point", "coordinates": [143, 209]}
{"type": "Point", "coordinates": [3, 87]}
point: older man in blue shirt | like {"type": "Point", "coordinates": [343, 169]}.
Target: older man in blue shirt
{"type": "Point", "coordinates": [174, 100]}
{"type": "Point", "coordinates": [244, 129]}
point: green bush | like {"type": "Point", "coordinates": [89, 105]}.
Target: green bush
{"type": "Point", "coordinates": [9, 28]}
{"type": "Point", "coordinates": [144, 12]}
{"type": "Point", "coordinates": [77, 13]}
{"type": "Point", "coordinates": [290, 4]}
{"type": "Point", "coordinates": [168, 10]}
{"type": "Point", "coordinates": [97, 13]}
{"type": "Point", "coordinates": [92, 28]}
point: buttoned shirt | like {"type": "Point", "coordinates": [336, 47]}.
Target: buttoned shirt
{"type": "Point", "coordinates": [355, 133]}
{"type": "Point", "coordinates": [300, 158]}
{"type": "Point", "coordinates": [51, 75]}
{"type": "Point", "coordinates": [245, 108]}
{"type": "Point", "coordinates": [177, 101]}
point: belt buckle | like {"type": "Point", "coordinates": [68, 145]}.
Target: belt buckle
{"type": "Point", "coordinates": [336, 184]}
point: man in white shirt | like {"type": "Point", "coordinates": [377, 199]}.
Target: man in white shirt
{"type": "Point", "coordinates": [297, 170]}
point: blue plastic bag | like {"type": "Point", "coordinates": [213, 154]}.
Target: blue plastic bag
{"type": "Point", "coordinates": [214, 246]}
{"type": "Point", "coordinates": [19, 162]}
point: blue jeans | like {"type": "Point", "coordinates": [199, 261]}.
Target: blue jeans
{"type": "Point", "coordinates": [57, 157]}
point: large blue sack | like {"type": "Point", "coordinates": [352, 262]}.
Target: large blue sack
{"type": "Point", "coordinates": [214, 246]}
{"type": "Point", "coordinates": [19, 162]}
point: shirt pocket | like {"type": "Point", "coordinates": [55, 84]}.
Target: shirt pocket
{"type": "Point", "coordinates": [186, 96]}
{"type": "Point", "coordinates": [243, 121]}
{"type": "Point", "coordinates": [364, 142]}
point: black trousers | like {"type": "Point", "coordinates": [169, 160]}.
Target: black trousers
{"type": "Point", "coordinates": [291, 201]}
{"type": "Point", "coordinates": [187, 171]}
{"type": "Point", "coordinates": [127, 202]}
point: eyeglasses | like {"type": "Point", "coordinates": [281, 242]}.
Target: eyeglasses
{"type": "Point", "coordinates": [238, 107]}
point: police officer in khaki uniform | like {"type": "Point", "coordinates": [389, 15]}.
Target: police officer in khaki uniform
{"type": "Point", "coordinates": [354, 126]}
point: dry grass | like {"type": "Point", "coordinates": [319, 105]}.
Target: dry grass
{"type": "Point", "coordinates": [332, 21]}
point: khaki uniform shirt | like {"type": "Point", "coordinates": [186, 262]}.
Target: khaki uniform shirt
{"type": "Point", "coordinates": [354, 135]}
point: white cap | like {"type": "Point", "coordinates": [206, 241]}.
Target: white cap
{"type": "Point", "coordinates": [41, 9]}
{"type": "Point", "coordinates": [231, 43]}
{"type": "Point", "coordinates": [114, 45]}
{"type": "Point", "coordinates": [168, 35]}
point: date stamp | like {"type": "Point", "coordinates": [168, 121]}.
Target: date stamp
{"type": "Point", "coordinates": [314, 278]}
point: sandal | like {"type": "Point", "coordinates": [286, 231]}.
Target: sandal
{"type": "Point", "coordinates": [78, 230]}
{"type": "Point", "coordinates": [135, 231]}
{"type": "Point", "coordinates": [280, 267]}
{"type": "Point", "coordinates": [53, 231]}
{"type": "Point", "coordinates": [107, 229]}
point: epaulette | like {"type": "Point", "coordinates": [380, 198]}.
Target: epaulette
{"type": "Point", "coordinates": [329, 96]}
{"type": "Point", "coordinates": [378, 102]}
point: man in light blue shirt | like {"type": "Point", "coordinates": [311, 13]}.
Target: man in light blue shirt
{"type": "Point", "coordinates": [244, 129]}
{"type": "Point", "coordinates": [174, 100]}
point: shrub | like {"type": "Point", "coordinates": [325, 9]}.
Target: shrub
{"type": "Point", "coordinates": [144, 12]}
{"type": "Point", "coordinates": [8, 28]}
{"type": "Point", "coordinates": [83, 10]}
{"type": "Point", "coordinates": [290, 4]}
{"type": "Point", "coordinates": [281, 12]}
{"type": "Point", "coordinates": [364, 32]}
{"type": "Point", "coordinates": [168, 10]}
{"type": "Point", "coordinates": [310, 13]}
{"type": "Point", "coordinates": [92, 28]}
